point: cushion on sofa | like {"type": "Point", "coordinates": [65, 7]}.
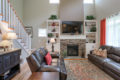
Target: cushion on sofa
{"type": "Point", "coordinates": [43, 51]}
{"type": "Point", "coordinates": [54, 60]}
{"type": "Point", "coordinates": [116, 51]}
{"type": "Point", "coordinates": [106, 47]}
{"type": "Point", "coordinates": [38, 56]}
{"type": "Point", "coordinates": [98, 59]}
{"type": "Point", "coordinates": [113, 67]}
{"type": "Point", "coordinates": [100, 52]}
{"type": "Point", "coordinates": [53, 64]}
{"type": "Point", "coordinates": [34, 62]}
{"type": "Point", "coordinates": [48, 59]}
{"type": "Point", "coordinates": [114, 57]}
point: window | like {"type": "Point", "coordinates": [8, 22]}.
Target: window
{"type": "Point", "coordinates": [54, 1]}
{"type": "Point", "coordinates": [88, 1]}
{"type": "Point", "coordinates": [42, 33]}
{"type": "Point", "coordinates": [113, 31]}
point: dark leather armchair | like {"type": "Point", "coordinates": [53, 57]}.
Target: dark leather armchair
{"type": "Point", "coordinates": [37, 63]}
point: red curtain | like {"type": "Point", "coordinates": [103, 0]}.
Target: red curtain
{"type": "Point", "coordinates": [103, 32]}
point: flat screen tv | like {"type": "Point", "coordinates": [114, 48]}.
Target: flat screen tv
{"type": "Point", "coordinates": [72, 27]}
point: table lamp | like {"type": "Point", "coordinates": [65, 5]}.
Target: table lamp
{"type": "Point", "coordinates": [11, 36]}
{"type": "Point", "coordinates": [52, 40]}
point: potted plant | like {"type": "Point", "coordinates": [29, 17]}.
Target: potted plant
{"type": "Point", "coordinates": [50, 35]}
{"type": "Point", "coordinates": [90, 17]}
{"type": "Point", "coordinates": [64, 53]}
{"type": "Point", "coordinates": [93, 29]}
{"type": "Point", "coordinates": [52, 17]}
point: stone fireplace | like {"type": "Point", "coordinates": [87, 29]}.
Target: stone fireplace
{"type": "Point", "coordinates": [73, 47]}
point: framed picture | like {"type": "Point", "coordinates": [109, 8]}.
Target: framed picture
{"type": "Point", "coordinates": [29, 30]}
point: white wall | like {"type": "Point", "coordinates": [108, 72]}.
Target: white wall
{"type": "Point", "coordinates": [71, 10]}
{"type": "Point", "coordinates": [18, 6]}
{"type": "Point", "coordinates": [105, 8]}
{"type": "Point", "coordinates": [89, 9]}
{"type": "Point", "coordinates": [36, 12]}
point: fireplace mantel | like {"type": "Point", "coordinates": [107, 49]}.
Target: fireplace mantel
{"type": "Point", "coordinates": [72, 37]}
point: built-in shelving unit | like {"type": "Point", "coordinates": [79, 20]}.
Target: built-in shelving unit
{"type": "Point", "coordinates": [90, 30]}
{"type": "Point", "coordinates": [53, 31]}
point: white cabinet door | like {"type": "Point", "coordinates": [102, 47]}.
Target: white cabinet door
{"type": "Point", "coordinates": [89, 47]}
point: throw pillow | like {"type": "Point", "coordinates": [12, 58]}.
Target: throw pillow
{"type": "Point", "coordinates": [97, 52]}
{"type": "Point", "coordinates": [48, 59]}
{"type": "Point", "coordinates": [100, 52]}
{"type": "Point", "coordinates": [104, 53]}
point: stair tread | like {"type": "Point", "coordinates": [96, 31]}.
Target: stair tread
{"type": "Point", "coordinates": [1, 14]}
{"type": "Point", "coordinates": [5, 21]}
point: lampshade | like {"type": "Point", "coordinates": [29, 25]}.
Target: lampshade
{"type": "Point", "coordinates": [4, 36]}
{"type": "Point", "coordinates": [11, 35]}
{"type": "Point", "coordinates": [52, 40]}
{"type": "Point", "coordinates": [3, 27]}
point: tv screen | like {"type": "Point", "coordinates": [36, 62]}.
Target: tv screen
{"type": "Point", "coordinates": [73, 27]}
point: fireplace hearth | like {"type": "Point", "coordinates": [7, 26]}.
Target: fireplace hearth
{"type": "Point", "coordinates": [72, 50]}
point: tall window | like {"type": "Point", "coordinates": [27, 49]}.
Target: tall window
{"type": "Point", "coordinates": [54, 1]}
{"type": "Point", "coordinates": [88, 1]}
{"type": "Point", "coordinates": [113, 31]}
{"type": "Point", "coordinates": [42, 33]}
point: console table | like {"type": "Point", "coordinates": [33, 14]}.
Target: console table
{"type": "Point", "coordinates": [9, 64]}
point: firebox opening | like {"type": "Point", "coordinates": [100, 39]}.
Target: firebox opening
{"type": "Point", "coordinates": [72, 50]}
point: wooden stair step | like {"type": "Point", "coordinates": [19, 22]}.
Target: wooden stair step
{"type": "Point", "coordinates": [19, 38]}
{"type": "Point", "coordinates": [5, 21]}
{"type": "Point", "coordinates": [1, 14]}
{"type": "Point", "coordinates": [11, 29]}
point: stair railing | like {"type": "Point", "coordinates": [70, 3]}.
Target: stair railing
{"type": "Point", "coordinates": [9, 16]}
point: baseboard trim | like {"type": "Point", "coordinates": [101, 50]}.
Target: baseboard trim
{"type": "Point", "coordinates": [77, 59]}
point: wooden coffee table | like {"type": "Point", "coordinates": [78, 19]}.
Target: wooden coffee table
{"type": "Point", "coordinates": [44, 76]}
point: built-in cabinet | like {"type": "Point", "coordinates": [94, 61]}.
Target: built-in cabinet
{"type": "Point", "coordinates": [90, 30]}
{"type": "Point", "coordinates": [53, 31]}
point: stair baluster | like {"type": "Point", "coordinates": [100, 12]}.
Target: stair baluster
{"type": "Point", "coordinates": [9, 15]}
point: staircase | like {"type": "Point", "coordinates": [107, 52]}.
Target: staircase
{"type": "Point", "coordinates": [8, 16]}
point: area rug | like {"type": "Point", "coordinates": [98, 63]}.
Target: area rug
{"type": "Point", "coordinates": [84, 70]}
